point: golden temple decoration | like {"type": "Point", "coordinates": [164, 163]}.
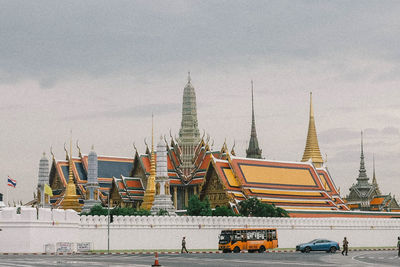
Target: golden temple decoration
{"type": "Point", "coordinates": [149, 194]}
{"type": "Point", "coordinates": [311, 150]}
{"type": "Point", "coordinates": [71, 199]}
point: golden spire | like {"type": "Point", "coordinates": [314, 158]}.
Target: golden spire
{"type": "Point", "coordinates": [148, 197]}
{"type": "Point", "coordinates": [311, 150]}
{"type": "Point", "coordinates": [71, 200]}
{"type": "Point", "coordinates": [153, 159]}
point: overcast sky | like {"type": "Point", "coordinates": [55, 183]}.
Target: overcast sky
{"type": "Point", "coordinates": [101, 68]}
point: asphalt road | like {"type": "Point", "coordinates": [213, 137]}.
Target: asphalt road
{"type": "Point", "coordinates": [373, 258]}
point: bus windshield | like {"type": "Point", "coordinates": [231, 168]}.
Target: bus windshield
{"type": "Point", "coordinates": [224, 238]}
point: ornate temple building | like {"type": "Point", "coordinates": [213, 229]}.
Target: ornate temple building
{"type": "Point", "coordinates": [305, 185]}
{"type": "Point", "coordinates": [76, 170]}
{"type": "Point", "coordinates": [128, 179]}
{"type": "Point", "coordinates": [188, 156]}
{"type": "Point", "coordinates": [367, 196]}
{"type": "Point", "coordinates": [181, 167]}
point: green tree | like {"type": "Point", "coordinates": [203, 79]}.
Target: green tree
{"type": "Point", "coordinates": [198, 208]}
{"type": "Point", "coordinates": [223, 211]}
{"type": "Point", "coordinates": [162, 212]}
{"type": "Point", "coordinates": [255, 208]}
{"type": "Point", "coordinates": [117, 211]}
{"type": "Point", "coordinates": [97, 210]}
{"type": "Point", "coordinates": [142, 212]}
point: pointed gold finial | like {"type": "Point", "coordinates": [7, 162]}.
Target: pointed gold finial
{"type": "Point", "coordinates": [311, 107]}
{"type": "Point", "coordinates": [233, 153]}
{"type": "Point", "coordinates": [311, 150]}
{"type": "Point", "coordinates": [70, 177]}
{"type": "Point", "coordinates": [152, 134]}
{"type": "Point", "coordinates": [51, 152]}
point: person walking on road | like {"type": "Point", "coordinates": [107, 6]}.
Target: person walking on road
{"type": "Point", "coordinates": [184, 245]}
{"type": "Point", "coordinates": [345, 246]}
{"type": "Point", "coordinates": [398, 246]}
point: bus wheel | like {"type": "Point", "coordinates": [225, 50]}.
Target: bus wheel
{"type": "Point", "coordinates": [226, 251]}
{"type": "Point", "coordinates": [261, 249]}
{"type": "Point", "coordinates": [236, 250]}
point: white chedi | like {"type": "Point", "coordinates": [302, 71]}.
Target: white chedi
{"type": "Point", "coordinates": [162, 199]}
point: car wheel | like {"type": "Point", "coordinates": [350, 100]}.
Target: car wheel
{"type": "Point", "coordinates": [307, 250]}
{"type": "Point", "coordinates": [236, 250]}
{"type": "Point", "coordinates": [332, 249]}
{"type": "Point", "coordinates": [261, 249]}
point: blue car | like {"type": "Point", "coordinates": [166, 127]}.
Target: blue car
{"type": "Point", "coordinates": [318, 245]}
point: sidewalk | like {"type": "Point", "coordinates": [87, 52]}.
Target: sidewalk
{"type": "Point", "coordinates": [162, 252]}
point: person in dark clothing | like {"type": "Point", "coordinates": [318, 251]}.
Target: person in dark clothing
{"type": "Point", "coordinates": [184, 245]}
{"type": "Point", "coordinates": [345, 246]}
{"type": "Point", "coordinates": [398, 246]}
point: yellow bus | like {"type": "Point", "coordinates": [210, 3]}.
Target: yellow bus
{"type": "Point", "coordinates": [251, 240]}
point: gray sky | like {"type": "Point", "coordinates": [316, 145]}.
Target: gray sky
{"type": "Point", "coordinates": [101, 68]}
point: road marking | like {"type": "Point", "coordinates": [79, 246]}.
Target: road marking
{"type": "Point", "coordinates": [14, 264]}
{"type": "Point", "coordinates": [363, 262]}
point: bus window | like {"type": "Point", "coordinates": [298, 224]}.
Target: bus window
{"type": "Point", "coordinates": [274, 234]}
{"type": "Point", "coordinates": [269, 235]}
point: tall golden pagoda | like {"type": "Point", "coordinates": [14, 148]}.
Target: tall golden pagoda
{"type": "Point", "coordinates": [150, 192]}
{"type": "Point", "coordinates": [71, 199]}
{"type": "Point", "coordinates": [311, 150]}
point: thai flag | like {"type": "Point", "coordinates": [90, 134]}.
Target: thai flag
{"type": "Point", "coordinates": [12, 182]}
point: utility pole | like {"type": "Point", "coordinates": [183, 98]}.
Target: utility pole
{"type": "Point", "coordinates": [108, 224]}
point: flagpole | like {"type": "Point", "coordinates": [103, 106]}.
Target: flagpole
{"type": "Point", "coordinates": [8, 200]}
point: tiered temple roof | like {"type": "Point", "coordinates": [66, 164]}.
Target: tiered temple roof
{"type": "Point", "coordinates": [202, 157]}
{"type": "Point", "coordinates": [129, 189]}
{"type": "Point", "coordinates": [108, 167]}
{"type": "Point", "coordinates": [290, 185]}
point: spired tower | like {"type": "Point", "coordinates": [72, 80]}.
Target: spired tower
{"type": "Point", "coordinates": [311, 151]}
{"type": "Point", "coordinates": [189, 134]}
{"type": "Point", "coordinates": [71, 199]}
{"type": "Point", "coordinates": [362, 179]}
{"type": "Point", "coordinates": [92, 197]}
{"type": "Point", "coordinates": [362, 192]}
{"type": "Point", "coordinates": [374, 182]}
{"type": "Point", "coordinates": [43, 179]}
{"type": "Point", "coordinates": [253, 151]}
{"type": "Point", "coordinates": [148, 197]}
{"type": "Point", "coordinates": [162, 199]}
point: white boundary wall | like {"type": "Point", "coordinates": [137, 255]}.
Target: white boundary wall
{"type": "Point", "coordinates": [31, 230]}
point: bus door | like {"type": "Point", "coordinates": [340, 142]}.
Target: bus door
{"type": "Point", "coordinates": [269, 239]}
{"type": "Point", "coordinates": [244, 240]}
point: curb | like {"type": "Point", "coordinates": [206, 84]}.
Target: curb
{"type": "Point", "coordinates": [173, 252]}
